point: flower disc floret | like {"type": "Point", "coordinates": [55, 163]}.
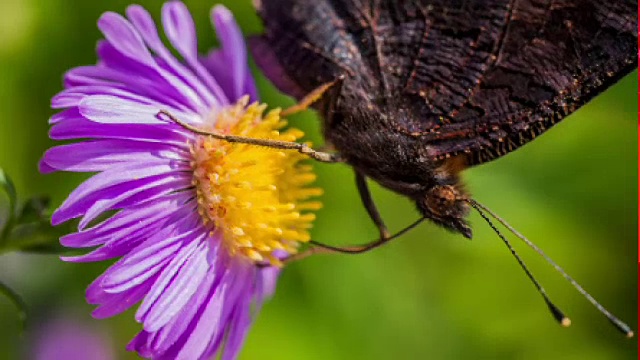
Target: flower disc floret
{"type": "Point", "coordinates": [258, 198]}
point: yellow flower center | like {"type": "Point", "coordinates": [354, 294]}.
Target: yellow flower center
{"type": "Point", "coordinates": [258, 198]}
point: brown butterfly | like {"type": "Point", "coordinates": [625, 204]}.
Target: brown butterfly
{"type": "Point", "coordinates": [412, 92]}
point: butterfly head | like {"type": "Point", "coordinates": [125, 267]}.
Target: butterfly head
{"type": "Point", "coordinates": [446, 205]}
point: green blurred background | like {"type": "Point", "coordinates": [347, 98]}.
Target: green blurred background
{"type": "Point", "coordinates": [429, 295]}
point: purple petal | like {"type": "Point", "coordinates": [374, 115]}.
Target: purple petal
{"type": "Point", "coordinates": [168, 274]}
{"type": "Point", "coordinates": [143, 191]}
{"type": "Point", "coordinates": [99, 155]}
{"type": "Point", "coordinates": [44, 168]}
{"type": "Point", "coordinates": [66, 99]}
{"type": "Point", "coordinates": [176, 294]}
{"type": "Point", "coordinates": [143, 22]}
{"type": "Point", "coordinates": [122, 72]}
{"type": "Point", "coordinates": [240, 323]}
{"type": "Point", "coordinates": [77, 93]}
{"type": "Point", "coordinates": [122, 224]}
{"type": "Point", "coordinates": [91, 76]}
{"type": "Point", "coordinates": [113, 304]}
{"type": "Point", "coordinates": [81, 128]}
{"type": "Point", "coordinates": [124, 38]}
{"type": "Point", "coordinates": [216, 312]}
{"type": "Point", "coordinates": [150, 256]}
{"type": "Point", "coordinates": [109, 183]}
{"type": "Point", "coordinates": [268, 62]}
{"type": "Point", "coordinates": [180, 29]}
{"type": "Point", "coordinates": [115, 110]}
{"type": "Point", "coordinates": [139, 345]}
{"type": "Point", "coordinates": [140, 266]}
{"type": "Point", "coordinates": [204, 330]}
{"type": "Point", "coordinates": [72, 113]}
{"type": "Point", "coordinates": [267, 281]}
{"type": "Point", "coordinates": [233, 47]}
{"type": "Point", "coordinates": [151, 81]}
{"type": "Point", "coordinates": [120, 246]}
{"type": "Point", "coordinates": [166, 337]}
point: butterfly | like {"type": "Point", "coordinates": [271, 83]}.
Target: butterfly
{"type": "Point", "coordinates": [413, 92]}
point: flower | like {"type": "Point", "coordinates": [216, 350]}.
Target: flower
{"type": "Point", "coordinates": [189, 217]}
{"type": "Point", "coordinates": [65, 337]}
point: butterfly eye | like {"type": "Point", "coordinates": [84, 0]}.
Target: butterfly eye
{"type": "Point", "coordinates": [441, 200]}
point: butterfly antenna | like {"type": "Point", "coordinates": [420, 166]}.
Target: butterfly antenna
{"type": "Point", "coordinates": [560, 317]}
{"type": "Point", "coordinates": [483, 210]}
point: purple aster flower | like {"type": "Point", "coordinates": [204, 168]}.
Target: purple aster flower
{"type": "Point", "coordinates": [188, 216]}
{"type": "Point", "coordinates": [64, 338]}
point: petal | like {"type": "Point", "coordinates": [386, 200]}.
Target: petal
{"type": "Point", "coordinates": [124, 38]}
{"type": "Point", "coordinates": [79, 92]}
{"type": "Point", "coordinates": [107, 184]}
{"type": "Point", "coordinates": [151, 81]}
{"type": "Point", "coordinates": [65, 100]}
{"type": "Point", "coordinates": [99, 155]}
{"type": "Point", "coordinates": [114, 110]}
{"type": "Point", "coordinates": [150, 256]}
{"type": "Point", "coordinates": [129, 220]}
{"type": "Point", "coordinates": [267, 281]}
{"type": "Point", "coordinates": [240, 324]}
{"type": "Point", "coordinates": [118, 247]}
{"type": "Point", "coordinates": [139, 345]}
{"type": "Point", "coordinates": [176, 294]}
{"type": "Point", "coordinates": [180, 29]}
{"type": "Point", "coordinates": [169, 272]}
{"type": "Point", "coordinates": [143, 22]}
{"type": "Point", "coordinates": [216, 313]}
{"type": "Point", "coordinates": [81, 128]}
{"type": "Point", "coordinates": [72, 113]}
{"type": "Point", "coordinates": [113, 304]}
{"type": "Point", "coordinates": [269, 63]}
{"type": "Point", "coordinates": [137, 268]}
{"type": "Point", "coordinates": [44, 168]}
{"type": "Point", "coordinates": [122, 72]}
{"type": "Point", "coordinates": [233, 48]}
{"type": "Point", "coordinates": [91, 75]}
{"type": "Point", "coordinates": [205, 330]}
{"type": "Point", "coordinates": [143, 191]}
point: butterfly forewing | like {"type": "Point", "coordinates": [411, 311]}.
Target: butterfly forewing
{"type": "Point", "coordinates": [479, 78]}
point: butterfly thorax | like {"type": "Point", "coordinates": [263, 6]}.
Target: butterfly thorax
{"type": "Point", "coordinates": [368, 138]}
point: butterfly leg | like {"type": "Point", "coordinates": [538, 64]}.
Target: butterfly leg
{"type": "Point", "coordinates": [369, 204]}
{"type": "Point", "coordinates": [276, 144]}
{"type": "Point", "coordinates": [311, 98]}
{"type": "Point", "coordinates": [367, 201]}
{"type": "Point", "coordinates": [319, 248]}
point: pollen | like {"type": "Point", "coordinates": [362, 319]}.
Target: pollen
{"type": "Point", "coordinates": [258, 200]}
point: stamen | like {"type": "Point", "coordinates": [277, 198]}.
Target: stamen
{"type": "Point", "coordinates": [257, 199]}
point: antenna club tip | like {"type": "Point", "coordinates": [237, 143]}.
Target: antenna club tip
{"type": "Point", "coordinates": [630, 334]}
{"type": "Point", "coordinates": [566, 322]}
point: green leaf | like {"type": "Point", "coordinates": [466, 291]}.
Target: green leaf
{"type": "Point", "coordinates": [37, 237]}
{"type": "Point", "coordinates": [10, 190]}
{"type": "Point", "coordinates": [7, 185]}
{"type": "Point", "coordinates": [35, 209]}
{"type": "Point", "coordinates": [17, 302]}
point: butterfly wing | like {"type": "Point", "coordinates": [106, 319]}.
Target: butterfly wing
{"type": "Point", "coordinates": [385, 44]}
{"type": "Point", "coordinates": [480, 77]}
{"type": "Point", "coordinates": [302, 45]}
{"type": "Point", "coordinates": [554, 56]}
